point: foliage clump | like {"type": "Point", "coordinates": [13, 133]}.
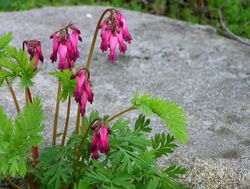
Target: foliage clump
{"type": "Point", "coordinates": [102, 152]}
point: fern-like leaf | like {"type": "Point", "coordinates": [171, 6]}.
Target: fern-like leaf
{"type": "Point", "coordinates": [4, 40]}
{"type": "Point", "coordinates": [163, 144]}
{"type": "Point", "coordinates": [175, 171]}
{"type": "Point", "coordinates": [172, 114]}
{"type": "Point", "coordinates": [17, 138]}
{"type": "Point", "coordinates": [142, 125]}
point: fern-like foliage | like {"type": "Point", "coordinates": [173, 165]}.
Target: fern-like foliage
{"type": "Point", "coordinates": [68, 85]}
{"type": "Point", "coordinates": [15, 64]}
{"type": "Point", "coordinates": [55, 167]}
{"type": "Point", "coordinates": [142, 125]}
{"type": "Point", "coordinates": [17, 137]}
{"type": "Point", "coordinates": [173, 115]}
{"type": "Point", "coordinates": [163, 144]}
{"type": "Point", "coordinates": [175, 171]}
{"type": "Point", "coordinates": [131, 163]}
{"type": "Point", "coordinates": [4, 41]}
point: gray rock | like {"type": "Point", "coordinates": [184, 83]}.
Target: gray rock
{"type": "Point", "coordinates": [189, 64]}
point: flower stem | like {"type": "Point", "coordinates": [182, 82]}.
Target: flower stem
{"type": "Point", "coordinates": [31, 181]}
{"type": "Point", "coordinates": [94, 38]}
{"type": "Point", "coordinates": [91, 51]}
{"type": "Point", "coordinates": [66, 122]}
{"type": "Point", "coordinates": [77, 120]}
{"type": "Point", "coordinates": [13, 95]}
{"type": "Point", "coordinates": [56, 114]}
{"type": "Point", "coordinates": [121, 113]}
{"type": "Point", "coordinates": [28, 93]}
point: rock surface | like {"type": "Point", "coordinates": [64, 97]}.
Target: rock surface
{"type": "Point", "coordinates": [189, 64]}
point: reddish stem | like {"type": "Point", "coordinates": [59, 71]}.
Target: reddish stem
{"type": "Point", "coordinates": [66, 122]}
{"type": "Point", "coordinates": [56, 114]}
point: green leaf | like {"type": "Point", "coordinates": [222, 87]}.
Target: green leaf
{"type": "Point", "coordinates": [18, 137]}
{"type": "Point", "coordinates": [163, 144]}
{"type": "Point", "coordinates": [153, 183]}
{"type": "Point", "coordinates": [172, 114]}
{"type": "Point", "coordinates": [142, 125]}
{"type": "Point", "coordinates": [16, 62]}
{"type": "Point", "coordinates": [101, 176]}
{"type": "Point", "coordinates": [31, 121]}
{"type": "Point", "coordinates": [120, 124]}
{"type": "Point", "coordinates": [5, 39]}
{"type": "Point", "coordinates": [175, 171]}
{"type": "Point", "coordinates": [55, 167]}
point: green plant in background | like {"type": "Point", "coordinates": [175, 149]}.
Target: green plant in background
{"type": "Point", "coordinates": [235, 12]}
{"type": "Point", "coordinates": [102, 152]}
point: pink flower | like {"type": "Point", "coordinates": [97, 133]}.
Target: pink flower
{"type": "Point", "coordinates": [114, 30]}
{"type": "Point", "coordinates": [100, 139]}
{"type": "Point", "coordinates": [123, 24]}
{"type": "Point", "coordinates": [74, 37]}
{"type": "Point", "coordinates": [35, 51]}
{"type": "Point", "coordinates": [104, 139]}
{"type": "Point", "coordinates": [66, 45]}
{"type": "Point", "coordinates": [53, 56]}
{"type": "Point", "coordinates": [112, 45]}
{"type": "Point", "coordinates": [95, 142]}
{"type": "Point", "coordinates": [83, 91]}
{"type": "Point", "coordinates": [62, 50]}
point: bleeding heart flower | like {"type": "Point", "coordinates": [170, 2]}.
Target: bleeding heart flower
{"type": "Point", "coordinates": [104, 139]}
{"type": "Point", "coordinates": [66, 45]}
{"type": "Point", "coordinates": [100, 139]}
{"type": "Point", "coordinates": [83, 91]}
{"type": "Point", "coordinates": [114, 30]}
{"type": "Point", "coordinates": [35, 51]}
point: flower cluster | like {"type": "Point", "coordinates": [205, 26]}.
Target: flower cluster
{"type": "Point", "coordinates": [35, 51]}
{"type": "Point", "coordinates": [114, 30]}
{"type": "Point", "coordinates": [66, 45]}
{"type": "Point", "coordinates": [83, 91]}
{"type": "Point", "coordinates": [100, 139]}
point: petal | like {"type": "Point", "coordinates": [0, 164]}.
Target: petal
{"type": "Point", "coordinates": [112, 45]}
{"type": "Point", "coordinates": [122, 46]}
{"type": "Point", "coordinates": [95, 142]}
{"type": "Point", "coordinates": [53, 56]}
{"type": "Point", "coordinates": [89, 92]}
{"type": "Point", "coordinates": [36, 61]}
{"type": "Point", "coordinates": [104, 140]}
{"type": "Point", "coordinates": [105, 37]}
{"type": "Point", "coordinates": [39, 51]}
{"type": "Point", "coordinates": [74, 37]}
{"type": "Point", "coordinates": [74, 28]}
{"type": "Point", "coordinates": [123, 24]}
{"type": "Point", "coordinates": [62, 50]}
{"type": "Point", "coordinates": [83, 103]}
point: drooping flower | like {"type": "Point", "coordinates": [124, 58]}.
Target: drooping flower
{"type": "Point", "coordinates": [114, 30]}
{"type": "Point", "coordinates": [66, 45]}
{"type": "Point", "coordinates": [100, 139]}
{"type": "Point", "coordinates": [123, 24]}
{"type": "Point", "coordinates": [35, 51]}
{"type": "Point", "coordinates": [104, 139]}
{"type": "Point", "coordinates": [83, 91]}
